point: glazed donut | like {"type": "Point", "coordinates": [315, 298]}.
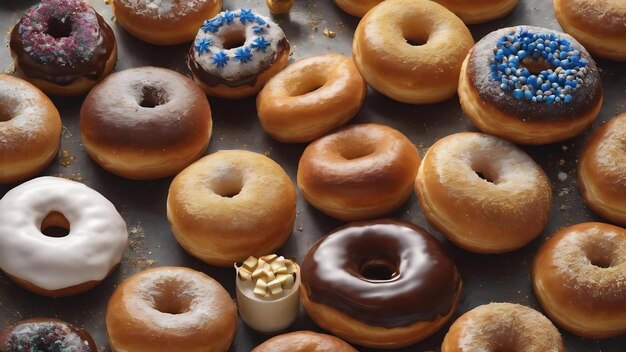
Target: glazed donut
{"type": "Point", "coordinates": [45, 334]}
{"type": "Point", "coordinates": [170, 309]}
{"type": "Point", "coordinates": [602, 171]}
{"type": "Point", "coordinates": [279, 7]}
{"type": "Point", "coordinates": [236, 53]}
{"type": "Point", "coordinates": [67, 265]}
{"type": "Point", "coordinates": [252, 202]}
{"type": "Point", "coordinates": [579, 277]}
{"type": "Point", "coordinates": [599, 24]}
{"type": "Point", "coordinates": [304, 341]}
{"type": "Point", "coordinates": [145, 123]}
{"type": "Point", "coordinates": [30, 130]}
{"type": "Point", "coordinates": [357, 8]}
{"type": "Point", "coordinates": [422, 73]}
{"type": "Point", "coordinates": [164, 22]}
{"type": "Point", "coordinates": [502, 327]}
{"type": "Point", "coordinates": [530, 85]}
{"type": "Point", "coordinates": [479, 11]}
{"type": "Point", "coordinates": [380, 284]}
{"type": "Point", "coordinates": [64, 47]}
{"type": "Point", "coordinates": [483, 193]}
{"type": "Point", "coordinates": [358, 172]}
{"type": "Point", "coordinates": [310, 98]}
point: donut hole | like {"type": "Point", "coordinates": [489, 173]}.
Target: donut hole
{"type": "Point", "coordinates": [378, 270]}
{"type": "Point", "coordinates": [234, 39]}
{"type": "Point", "coordinates": [228, 185]}
{"type": "Point", "coordinates": [55, 225]}
{"type": "Point", "coordinates": [351, 150]}
{"type": "Point", "coordinates": [535, 66]}
{"type": "Point", "coordinates": [152, 97]}
{"type": "Point", "coordinates": [5, 114]}
{"type": "Point", "coordinates": [59, 27]}
{"type": "Point", "coordinates": [170, 298]}
{"type": "Point", "coordinates": [599, 256]}
{"type": "Point", "coordinates": [414, 34]}
{"type": "Point", "coordinates": [305, 86]}
{"type": "Point", "coordinates": [484, 177]}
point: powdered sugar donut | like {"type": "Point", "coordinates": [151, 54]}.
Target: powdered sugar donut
{"type": "Point", "coordinates": [59, 266]}
{"type": "Point", "coordinates": [236, 53]}
{"type": "Point", "coordinates": [63, 47]}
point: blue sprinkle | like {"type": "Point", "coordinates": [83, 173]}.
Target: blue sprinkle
{"type": "Point", "coordinates": [518, 94]}
{"type": "Point", "coordinates": [550, 99]}
{"type": "Point", "coordinates": [258, 30]}
{"type": "Point", "coordinates": [572, 84]}
{"type": "Point", "coordinates": [563, 55]}
{"type": "Point", "coordinates": [212, 25]}
{"type": "Point", "coordinates": [540, 47]}
{"type": "Point", "coordinates": [202, 45]}
{"type": "Point", "coordinates": [568, 98]}
{"type": "Point", "coordinates": [260, 44]}
{"type": "Point", "coordinates": [552, 78]}
{"type": "Point", "coordinates": [246, 16]}
{"type": "Point", "coordinates": [228, 17]}
{"type": "Point", "coordinates": [532, 80]}
{"type": "Point", "coordinates": [545, 87]}
{"type": "Point", "coordinates": [528, 95]}
{"type": "Point", "coordinates": [260, 21]}
{"type": "Point", "coordinates": [243, 55]}
{"type": "Point", "coordinates": [220, 59]}
{"type": "Point", "coordinates": [521, 54]}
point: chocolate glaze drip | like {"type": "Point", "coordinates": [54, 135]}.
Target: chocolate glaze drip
{"type": "Point", "coordinates": [423, 286]}
{"type": "Point", "coordinates": [93, 69]}
{"type": "Point", "coordinates": [586, 96]}
{"type": "Point", "coordinates": [211, 80]}
{"type": "Point", "coordinates": [41, 334]}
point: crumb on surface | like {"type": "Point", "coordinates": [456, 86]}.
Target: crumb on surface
{"type": "Point", "coordinates": [329, 33]}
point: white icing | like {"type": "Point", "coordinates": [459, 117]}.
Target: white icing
{"type": "Point", "coordinates": [96, 241]}
{"type": "Point", "coordinates": [164, 8]}
{"type": "Point", "coordinates": [234, 69]}
{"type": "Point", "coordinates": [22, 103]}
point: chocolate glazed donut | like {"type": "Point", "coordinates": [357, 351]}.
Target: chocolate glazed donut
{"type": "Point", "coordinates": [390, 276]}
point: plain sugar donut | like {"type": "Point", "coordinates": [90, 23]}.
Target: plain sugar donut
{"type": "Point", "coordinates": [170, 309]}
{"type": "Point", "coordinates": [483, 193]}
{"type": "Point", "coordinates": [417, 74]}
{"type": "Point", "coordinates": [579, 277]}
{"type": "Point", "coordinates": [310, 98]}
{"type": "Point", "coordinates": [60, 266]}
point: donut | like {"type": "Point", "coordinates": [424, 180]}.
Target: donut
{"type": "Point", "coordinates": [483, 193]}
{"type": "Point", "coordinates": [54, 264]}
{"type": "Point", "coordinates": [64, 47]}
{"type": "Point", "coordinates": [164, 22]}
{"type": "Point", "coordinates": [45, 334]}
{"type": "Point", "coordinates": [599, 24]}
{"type": "Point", "coordinates": [357, 8]}
{"type": "Point", "coordinates": [479, 11]}
{"type": "Point", "coordinates": [170, 309]}
{"type": "Point", "coordinates": [358, 172]}
{"type": "Point", "coordinates": [380, 284]}
{"type": "Point", "coordinates": [579, 277]}
{"type": "Point", "coordinates": [408, 59]}
{"type": "Point", "coordinates": [230, 205]}
{"type": "Point", "coordinates": [279, 7]}
{"type": "Point", "coordinates": [310, 98]}
{"type": "Point", "coordinates": [236, 53]}
{"type": "Point", "coordinates": [530, 85]}
{"type": "Point", "coordinates": [145, 123]}
{"type": "Point", "coordinates": [502, 327]}
{"type": "Point", "coordinates": [602, 171]}
{"type": "Point", "coordinates": [30, 130]}
{"type": "Point", "coordinates": [304, 341]}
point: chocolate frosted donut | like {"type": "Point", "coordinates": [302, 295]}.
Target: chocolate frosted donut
{"type": "Point", "coordinates": [380, 284]}
{"type": "Point", "coordinates": [45, 335]}
{"type": "Point", "coordinates": [530, 85]}
{"type": "Point", "coordinates": [63, 47]}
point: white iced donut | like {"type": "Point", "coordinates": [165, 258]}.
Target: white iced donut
{"type": "Point", "coordinates": [59, 266]}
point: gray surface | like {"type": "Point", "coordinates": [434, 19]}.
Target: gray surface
{"type": "Point", "coordinates": [486, 278]}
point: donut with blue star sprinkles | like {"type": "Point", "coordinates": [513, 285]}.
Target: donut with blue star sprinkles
{"type": "Point", "coordinates": [530, 85]}
{"type": "Point", "coordinates": [236, 52]}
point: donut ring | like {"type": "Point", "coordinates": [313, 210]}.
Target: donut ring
{"type": "Point", "coordinates": [46, 334]}
{"type": "Point", "coordinates": [358, 172]}
{"type": "Point", "coordinates": [170, 309]}
{"type": "Point", "coordinates": [415, 74]}
{"type": "Point", "coordinates": [380, 284]}
{"type": "Point", "coordinates": [64, 47]}
{"type": "Point", "coordinates": [291, 107]}
{"type": "Point", "coordinates": [127, 124]}
{"type": "Point", "coordinates": [304, 341]}
{"type": "Point", "coordinates": [357, 8]}
{"type": "Point", "coordinates": [63, 266]}
{"type": "Point", "coordinates": [236, 53]}
{"type": "Point", "coordinates": [504, 197]}
{"type": "Point", "coordinates": [30, 130]}
{"type": "Point", "coordinates": [479, 11]}
{"type": "Point", "coordinates": [502, 327]}
{"type": "Point", "coordinates": [515, 86]}
{"type": "Point", "coordinates": [252, 202]}
{"type": "Point", "coordinates": [601, 171]}
{"type": "Point", "coordinates": [579, 277]}
{"type": "Point", "coordinates": [599, 25]}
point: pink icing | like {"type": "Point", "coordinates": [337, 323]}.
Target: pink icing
{"type": "Point", "coordinates": [77, 47]}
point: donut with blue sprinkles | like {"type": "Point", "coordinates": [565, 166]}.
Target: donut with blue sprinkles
{"type": "Point", "coordinates": [233, 50]}
{"type": "Point", "coordinates": [530, 85]}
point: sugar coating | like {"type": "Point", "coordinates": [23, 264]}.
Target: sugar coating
{"type": "Point", "coordinates": [164, 8]}
{"type": "Point", "coordinates": [25, 109]}
{"type": "Point", "coordinates": [610, 154]}
{"type": "Point", "coordinates": [46, 337]}
{"type": "Point", "coordinates": [66, 51]}
{"type": "Point", "coordinates": [257, 52]}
